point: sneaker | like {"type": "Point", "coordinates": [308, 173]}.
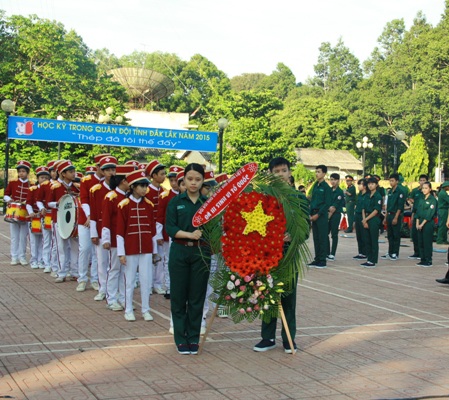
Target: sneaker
{"type": "Point", "coordinates": [47, 270]}
{"type": "Point", "coordinates": [184, 348]}
{"type": "Point", "coordinates": [34, 266]}
{"type": "Point", "coordinates": [393, 257]}
{"type": "Point", "coordinates": [171, 331]}
{"type": "Point", "coordinates": [100, 296]}
{"type": "Point", "coordinates": [81, 287]}
{"type": "Point", "coordinates": [443, 280]}
{"type": "Point", "coordinates": [265, 345]}
{"type": "Point", "coordinates": [23, 261]}
{"type": "Point", "coordinates": [312, 264]}
{"type": "Point", "coordinates": [385, 256]}
{"type": "Point", "coordinates": [320, 265]}
{"type": "Point", "coordinates": [287, 348]}
{"type": "Point", "coordinates": [194, 348]}
{"type": "Point", "coordinates": [54, 274]}
{"type": "Point", "coordinates": [348, 231]}
{"type": "Point", "coordinates": [60, 279]}
{"type": "Point", "coordinates": [95, 285]}
{"type": "Point", "coordinates": [115, 306]}
{"type": "Point", "coordinates": [147, 316]}
{"type": "Point", "coordinates": [330, 257]}
{"type": "Point", "coordinates": [359, 257]}
{"type": "Point", "coordinates": [368, 264]}
{"type": "Point", "coordinates": [40, 265]}
{"type": "Point", "coordinates": [158, 290]}
{"type": "Point", "coordinates": [130, 317]}
{"type": "Point", "coordinates": [14, 261]}
{"type": "Point", "coordinates": [414, 257]}
{"type": "Point", "coordinates": [423, 264]}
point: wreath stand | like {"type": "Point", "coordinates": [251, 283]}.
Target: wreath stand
{"type": "Point", "coordinates": [214, 314]}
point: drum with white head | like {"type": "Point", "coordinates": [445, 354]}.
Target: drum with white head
{"type": "Point", "coordinates": [68, 216]}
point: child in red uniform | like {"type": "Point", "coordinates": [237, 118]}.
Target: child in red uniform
{"type": "Point", "coordinates": [16, 192]}
{"type": "Point", "coordinates": [136, 229]}
{"type": "Point", "coordinates": [115, 280]}
{"type": "Point", "coordinates": [36, 239]}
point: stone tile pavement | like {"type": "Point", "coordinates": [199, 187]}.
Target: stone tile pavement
{"type": "Point", "coordinates": [381, 333]}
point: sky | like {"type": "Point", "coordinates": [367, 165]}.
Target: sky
{"type": "Point", "coordinates": [238, 36]}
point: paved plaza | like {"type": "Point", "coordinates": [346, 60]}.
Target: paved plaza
{"type": "Point", "coordinates": [378, 333]}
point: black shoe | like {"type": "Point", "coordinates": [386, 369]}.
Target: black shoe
{"type": "Point", "coordinates": [183, 348]}
{"type": "Point", "coordinates": [194, 348]}
{"type": "Point", "coordinates": [359, 257]}
{"type": "Point", "coordinates": [265, 345]}
{"type": "Point", "coordinates": [312, 264]}
{"type": "Point", "coordinates": [320, 265]}
{"type": "Point", "coordinates": [385, 256]}
{"type": "Point", "coordinates": [167, 295]}
{"type": "Point", "coordinates": [444, 280]}
{"type": "Point", "coordinates": [287, 348]}
{"type": "Point", "coordinates": [368, 264]}
{"type": "Point", "coordinates": [424, 264]}
{"type": "Point", "coordinates": [348, 231]}
{"type": "Point", "coordinates": [414, 257]}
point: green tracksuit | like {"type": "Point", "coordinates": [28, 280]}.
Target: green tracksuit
{"type": "Point", "coordinates": [338, 200]}
{"type": "Point", "coordinates": [359, 229]}
{"type": "Point", "coordinates": [416, 195]}
{"type": "Point", "coordinates": [189, 268]}
{"type": "Point", "coordinates": [319, 204]}
{"type": "Point", "coordinates": [426, 212]}
{"type": "Point", "coordinates": [350, 200]}
{"type": "Point", "coordinates": [443, 207]}
{"type": "Point", "coordinates": [373, 201]}
{"type": "Point", "coordinates": [396, 201]}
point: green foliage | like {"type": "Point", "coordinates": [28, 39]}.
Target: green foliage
{"type": "Point", "coordinates": [415, 161]}
{"type": "Point", "coordinates": [302, 175]}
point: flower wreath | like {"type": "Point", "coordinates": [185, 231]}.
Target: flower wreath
{"type": "Point", "coordinates": [255, 265]}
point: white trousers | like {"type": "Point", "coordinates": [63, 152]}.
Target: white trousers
{"type": "Point", "coordinates": [19, 236]}
{"type": "Point", "coordinates": [165, 263]}
{"type": "Point", "coordinates": [158, 270]}
{"type": "Point", "coordinates": [115, 281]}
{"type": "Point", "coordinates": [102, 266]}
{"type": "Point", "coordinates": [46, 247]}
{"type": "Point", "coordinates": [67, 250]}
{"type": "Point", "coordinates": [145, 264]}
{"type": "Point", "coordinates": [85, 255]}
{"type": "Point", "coordinates": [54, 260]}
{"type": "Point", "coordinates": [36, 248]}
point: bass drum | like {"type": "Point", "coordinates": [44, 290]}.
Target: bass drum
{"type": "Point", "coordinates": [68, 216]}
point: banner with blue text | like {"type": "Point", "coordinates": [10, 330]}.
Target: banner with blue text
{"type": "Point", "coordinates": [50, 130]}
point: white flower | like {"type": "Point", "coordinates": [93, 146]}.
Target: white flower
{"type": "Point", "coordinates": [230, 285]}
{"type": "Point", "coordinates": [233, 295]}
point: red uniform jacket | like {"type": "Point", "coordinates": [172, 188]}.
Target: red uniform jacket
{"type": "Point", "coordinates": [97, 194]}
{"type": "Point", "coordinates": [86, 184]}
{"type": "Point", "coordinates": [164, 199]}
{"type": "Point", "coordinates": [17, 191]}
{"type": "Point", "coordinates": [110, 203]}
{"type": "Point", "coordinates": [32, 198]}
{"type": "Point", "coordinates": [43, 193]}
{"type": "Point", "coordinates": [135, 226]}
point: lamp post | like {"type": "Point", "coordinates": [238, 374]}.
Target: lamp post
{"type": "Point", "coordinates": [222, 124]}
{"type": "Point", "coordinates": [399, 136]}
{"type": "Point", "coordinates": [8, 107]}
{"type": "Point", "coordinates": [59, 118]}
{"type": "Point", "coordinates": [364, 145]}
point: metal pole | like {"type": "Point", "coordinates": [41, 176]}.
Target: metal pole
{"type": "Point", "coordinates": [439, 152]}
{"type": "Point", "coordinates": [363, 161]}
{"type": "Point", "coordinates": [220, 154]}
{"type": "Point", "coordinates": [395, 154]}
{"type": "Point", "coordinates": [6, 160]}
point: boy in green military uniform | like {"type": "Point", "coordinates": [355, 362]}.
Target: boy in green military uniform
{"type": "Point", "coordinates": [443, 207]}
{"type": "Point", "coordinates": [424, 224]}
{"type": "Point", "coordinates": [395, 211]}
{"type": "Point", "coordinates": [335, 211]}
{"type": "Point", "coordinates": [414, 198]}
{"type": "Point", "coordinates": [350, 199]}
{"type": "Point", "coordinates": [319, 208]}
{"type": "Point", "coordinates": [358, 217]}
{"type": "Point", "coordinates": [372, 208]}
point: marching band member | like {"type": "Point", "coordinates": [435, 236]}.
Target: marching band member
{"type": "Point", "coordinates": [67, 249]}
{"type": "Point", "coordinates": [97, 193]}
{"type": "Point", "coordinates": [156, 175]}
{"type": "Point", "coordinates": [115, 281]}
{"type": "Point", "coordinates": [36, 240]}
{"type": "Point", "coordinates": [164, 199]}
{"type": "Point", "coordinates": [49, 254]}
{"type": "Point", "coordinates": [136, 229]}
{"type": "Point", "coordinates": [16, 192]}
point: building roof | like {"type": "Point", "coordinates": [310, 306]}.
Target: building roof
{"type": "Point", "coordinates": [340, 159]}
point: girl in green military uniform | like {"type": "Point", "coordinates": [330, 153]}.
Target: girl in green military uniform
{"type": "Point", "coordinates": [372, 208]}
{"type": "Point", "coordinates": [424, 224]}
{"type": "Point", "coordinates": [189, 262]}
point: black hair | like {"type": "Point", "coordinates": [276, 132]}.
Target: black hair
{"type": "Point", "coordinates": [157, 169]}
{"type": "Point", "coordinates": [115, 181]}
{"type": "Point", "coordinates": [426, 177]}
{"type": "Point", "coordinates": [322, 167]}
{"type": "Point", "coordinates": [362, 182]}
{"type": "Point", "coordinates": [428, 183]}
{"type": "Point", "coordinates": [394, 176]}
{"type": "Point", "coordinates": [194, 167]}
{"type": "Point", "coordinates": [23, 167]}
{"type": "Point", "coordinates": [302, 188]}
{"type": "Point", "coordinates": [372, 180]}
{"type": "Point", "coordinates": [277, 162]}
{"type": "Point", "coordinates": [335, 176]}
{"type": "Point", "coordinates": [291, 180]}
{"type": "Point", "coordinates": [349, 177]}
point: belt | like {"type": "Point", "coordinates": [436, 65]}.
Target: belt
{"type": "Point", "coordinates": [189, 243]}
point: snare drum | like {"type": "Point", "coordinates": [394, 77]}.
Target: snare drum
{"type": "Point", "coordinates": [47, 221]}
{"type": "Point", "coordinates": [36, 225]}
{"type": "Point", "coordinates": [68, 216]}
{"type": "Point", "coordinates": [16, 213]}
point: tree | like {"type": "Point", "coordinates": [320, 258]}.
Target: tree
{"type": "Point", "coordinates": [415, 161]}
{"type": "Point", "coordinates": [251, 81]}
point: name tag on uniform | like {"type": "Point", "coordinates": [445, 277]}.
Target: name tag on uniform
{"type": "Point", "coordinates": [181, 207]}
